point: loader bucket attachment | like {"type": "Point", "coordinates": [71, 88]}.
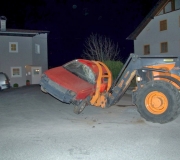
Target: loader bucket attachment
{"type": "Point", "coordinates": [104, 82]}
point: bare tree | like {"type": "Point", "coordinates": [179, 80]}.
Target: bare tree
{"type": "Point", "coordinates": [100, 48]}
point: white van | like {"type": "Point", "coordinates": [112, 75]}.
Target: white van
{"type": "Point", "coordinates": [4, 81]}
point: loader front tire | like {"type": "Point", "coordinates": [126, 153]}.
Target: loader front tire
{"type": "Point", "coordinates": [158, 101]}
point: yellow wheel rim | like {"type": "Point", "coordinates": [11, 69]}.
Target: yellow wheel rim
{"type": "Point", "coordinates": [156, 102]}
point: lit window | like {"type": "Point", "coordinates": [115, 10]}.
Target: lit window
{"type": "Point", "coordinates": [13, 47]}
{"type": "Point", "coordinates": [16, 72]}
{"type": "Point", "coordinates": [36, 72]}
{"type": "Point", "coordinates": [164, 47]}
{"type": "Point", "coordinates": [146, 49]}
{"type": "Point", "coordinates": [37, 48]}
{"type": "Point", "coordinates": [163, 25]}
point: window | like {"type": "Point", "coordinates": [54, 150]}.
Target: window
{"type": "Point", "coordinates": [146, 49]}
{"type": "Point", "coordinates": [164, 47]}
{"type": "Point", "coordinates": [16, 72]}
{"type": "Point", "coordinates": [37, 48]}
{"type": "Point", "coordinates": [36, 71]}
{"type": "Point", "coordinates": [163, 25]}
{"type": "Point", "coordinates": [13, 47]}
{"type": "Point", "coordinates": [177, 4]}
{"type": "Point", "coordinates": [168, 7]}
{"type": "Point", "coordinates": [172, 5]}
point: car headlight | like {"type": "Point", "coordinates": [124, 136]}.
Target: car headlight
{"type": "Point", "coordinates": [72, 93]}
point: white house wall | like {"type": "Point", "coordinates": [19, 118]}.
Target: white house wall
{"type": "Point", "coordinates": [40, 59]}
{"type": "Point", "coordinates": [19, 59]}
{"type": "Point", "coordinates": [151, 35]}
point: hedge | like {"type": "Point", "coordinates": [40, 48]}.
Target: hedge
{"type": "Point", "coordinates": [115, 67]}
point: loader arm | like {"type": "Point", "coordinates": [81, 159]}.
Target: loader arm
{"type": "Point", "coordinates": [135, 64]}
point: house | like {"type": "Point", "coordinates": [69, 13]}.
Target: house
{"type": "Point", "coordinates": [23, 54]}
{"type": "Point", "coordinates": [159, 32]}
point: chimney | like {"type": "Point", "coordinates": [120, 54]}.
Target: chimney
{"type": "Point", "coordinates": [3, 23]}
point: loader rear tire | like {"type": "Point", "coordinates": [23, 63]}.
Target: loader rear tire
{"type": "Point", "coordinates": [158, 102]}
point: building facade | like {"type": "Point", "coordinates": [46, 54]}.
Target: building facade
{"type": "Point", "coordinates": [159, 32]}
{"type": "Point", "coordinates": [23, 55]}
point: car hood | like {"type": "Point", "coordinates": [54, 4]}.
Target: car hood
{"type": "Point", "coordinates": [69, 81]}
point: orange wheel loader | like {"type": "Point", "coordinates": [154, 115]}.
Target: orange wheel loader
{"type": "Point", "coordinates": [156, 96]}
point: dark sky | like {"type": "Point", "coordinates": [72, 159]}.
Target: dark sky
{"type": "Point", "coordinates": [70, 22]}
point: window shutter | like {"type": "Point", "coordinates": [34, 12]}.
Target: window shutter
{"type": "Point", "coordinates": [163, 25]}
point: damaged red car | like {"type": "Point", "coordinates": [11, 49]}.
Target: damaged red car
{"type": "Point", "coordinates": [76, 82]}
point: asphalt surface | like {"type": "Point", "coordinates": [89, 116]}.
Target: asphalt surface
{"type": "Point", "coordinates": [36, 126]}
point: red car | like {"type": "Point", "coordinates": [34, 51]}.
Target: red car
{"type": "Point", "coordinates": [75, 82]}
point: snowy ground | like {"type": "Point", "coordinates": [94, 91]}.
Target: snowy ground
{"type": "Point", "coordinates": [36, 126]}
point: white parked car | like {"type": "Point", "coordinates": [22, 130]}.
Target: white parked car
{"type": "Point", "coordinates": [4, 81]}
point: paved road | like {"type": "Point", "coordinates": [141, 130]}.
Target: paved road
{"type": "Point", "coordinates": [36, 126]}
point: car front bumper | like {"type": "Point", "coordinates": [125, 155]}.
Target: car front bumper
{"type": "Point", "coordinates": [56, 90]}
{"type": "Point", "coordinates": [4, 86]}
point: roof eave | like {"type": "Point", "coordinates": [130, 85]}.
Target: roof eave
{"type": "Point", "coordinates": [25, 34]}
{"type": "Point", "coordinates": [159, 5]}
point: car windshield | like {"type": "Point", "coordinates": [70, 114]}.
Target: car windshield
{"type": "Point", "coordinates": [81, 70]}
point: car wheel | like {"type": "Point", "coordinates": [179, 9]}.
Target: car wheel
{"type": "Point", "coordinates": [79, 108]}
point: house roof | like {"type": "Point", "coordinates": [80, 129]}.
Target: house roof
{"type": "Point", "coordinates": [156, 9]}
{"type": "Point", "coordinates": [21, 32]}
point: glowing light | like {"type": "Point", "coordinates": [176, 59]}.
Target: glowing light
{"type": "Point", "coordinates": [74, 6]}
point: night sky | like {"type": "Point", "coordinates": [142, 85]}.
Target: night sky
{"type": "Point", "coordinates": [70, 22]}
